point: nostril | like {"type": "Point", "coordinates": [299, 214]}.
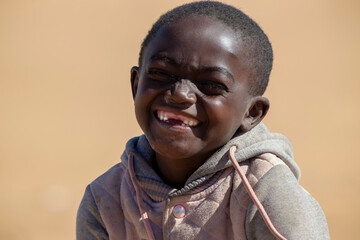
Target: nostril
{"type": "Point", "coordinates": [171, 100]}
{"type": "Point", "coordinates": [180, 94]}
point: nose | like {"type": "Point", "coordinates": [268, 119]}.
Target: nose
{"type": "Point", "coordinates": [181, 93]}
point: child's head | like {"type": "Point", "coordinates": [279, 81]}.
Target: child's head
{"type": "Point", "coordinates": [202, 71]}
{"type": "Point", "coordinates": [254, 41]}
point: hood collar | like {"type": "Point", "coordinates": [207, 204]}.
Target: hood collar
{"type": "Point", "coordinates": [250, 144]}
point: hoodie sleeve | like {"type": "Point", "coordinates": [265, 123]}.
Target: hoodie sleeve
{"type": "Point", "coordinates": [292, 210]}
{"type": "Point", "coordinates": [89, 225]}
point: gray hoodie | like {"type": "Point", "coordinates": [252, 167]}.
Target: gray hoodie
{"type": "Point", "coordinates": [130, 201]}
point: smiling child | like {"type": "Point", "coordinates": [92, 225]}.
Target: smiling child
{"type": "Point", "coordinates": [203, 69]}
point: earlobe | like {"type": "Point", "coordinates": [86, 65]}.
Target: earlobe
{"type": "Point", "coordinates": [258, 108]}
{"type": "Point", "coordinates": [134, 77]}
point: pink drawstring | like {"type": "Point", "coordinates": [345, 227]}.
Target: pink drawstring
{"type": "Point", "coordinates": [139, 199]}
{"type": "Point", "coordinates": [247, 185]}
{"type": "Point", "coordinates": [253, 195]}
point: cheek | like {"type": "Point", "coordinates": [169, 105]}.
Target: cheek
{"type": "Point", "coordinates": [221, 112]}
{"type": "Point", "coordinates": [225, 117]}
{"type": "Point", "coordinates": [146, 95]}
{"type": "Point", "coordinates": [142, 102]}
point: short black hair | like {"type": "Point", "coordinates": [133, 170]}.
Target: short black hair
{"type": "Point", "coordinates": [259, 51]}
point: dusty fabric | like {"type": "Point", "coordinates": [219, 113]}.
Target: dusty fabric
{"type": "Point", "coordinates": [216, 204]}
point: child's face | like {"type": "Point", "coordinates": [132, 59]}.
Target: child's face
{"type": "Point", "coordinates": [191, 92]}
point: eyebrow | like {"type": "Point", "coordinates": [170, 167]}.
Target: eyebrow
{"type": "Point", "coordinates": [163, 58]}
{"type": "Point", "coordinates": [205, 69]}
{"type": "Point", "coordinates": [217, 69]}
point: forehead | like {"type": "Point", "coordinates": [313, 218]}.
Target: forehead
{"type": "Point", "coordinates": [202, 28]}
{"type": "Point", "coordinates": [198, 40]}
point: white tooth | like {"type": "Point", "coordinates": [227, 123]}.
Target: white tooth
{"type": "Point", "coordinates": [191, 123]}
{"type": "Point", "coordinates": [165, 118]}
{"type": "Point", "coordinates": [186, 122]}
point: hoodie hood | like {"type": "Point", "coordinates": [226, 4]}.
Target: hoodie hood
{"type": "Point", "coordinates": [250, 144]}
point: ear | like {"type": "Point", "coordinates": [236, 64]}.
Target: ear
{"type": "Point", "coordinates": [134, 77]}
{"type": "Point", "coordinates": [259, 106]}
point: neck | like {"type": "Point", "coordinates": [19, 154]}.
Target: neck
{"type": "Point", "coordinates": [175, 172]}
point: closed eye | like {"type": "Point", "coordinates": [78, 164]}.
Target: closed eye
{"type": "Point", "coordinates": [160, 75]}
{"type": "Point", "coordinates": [212, 88]}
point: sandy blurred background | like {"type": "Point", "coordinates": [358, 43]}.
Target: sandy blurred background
{"type": "Point", "coordinates": [66, 109]}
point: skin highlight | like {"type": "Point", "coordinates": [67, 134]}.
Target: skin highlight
{"type": "Point", "coordinates": [191, 94]}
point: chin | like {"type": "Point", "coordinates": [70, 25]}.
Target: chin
{"type": "Point", "coordinates": [175, 150]}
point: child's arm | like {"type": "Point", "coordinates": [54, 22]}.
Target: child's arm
{"type": "Point", "coordinates": [89, 225]}
{"type": "Point", "coordinates": [292, 210]}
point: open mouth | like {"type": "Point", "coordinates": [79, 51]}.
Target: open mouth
{"type": "Point", "coordinates": [176, 119]}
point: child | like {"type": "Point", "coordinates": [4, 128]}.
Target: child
{"type": "Point", "coordinates": [203, 69]}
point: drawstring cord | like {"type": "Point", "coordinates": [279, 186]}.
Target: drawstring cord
{"type": "Point", "coordinates": [253, 195]}
{"type": "Point", "coordinates": [139, 199]}
{"type": "Point", "coordinates": [247, 185]}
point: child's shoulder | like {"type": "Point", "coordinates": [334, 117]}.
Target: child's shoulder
{"type": "Point", "coordinates": [100, 208]}
{"type": "Point", "coordinates": [257, 168]}
{"type": "Point", "coordinates": [108, 183]}
{"type": "Point", "coordinates": [263, 163]}
{"type": "Point", "coordinates": [113, 174]}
